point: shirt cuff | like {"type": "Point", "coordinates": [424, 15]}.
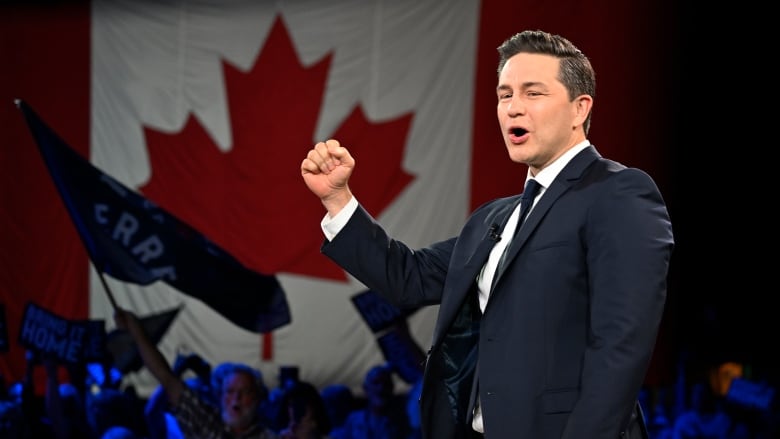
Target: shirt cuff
{"type": "Point", "coordinates": [331, 226]}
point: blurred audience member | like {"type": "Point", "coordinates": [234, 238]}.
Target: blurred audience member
{"type": "Point", "coordinates": [706, 418]}
{"type": "Point", "coordinates": [109, 407]}
{"type": "Point", "coordinates": [119, 432]}
{"type": "Point", "coordinates": [306, 416]}
{"type": "Point", "coordinates": [65, 405]}
{"type": "Point", "coordinates": [240, 387]}
{"type": "Point", "coordinates": [274, 410]}
{"type": "Point", "coordinates": [384, 417]}
{"type": "Point", "coordinates": [339, 403]}
{"type": "Point", "coordinates": [160, 421]}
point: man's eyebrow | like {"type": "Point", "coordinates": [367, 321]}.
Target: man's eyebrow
{"type": "Point", "coordinates": [523, 86]}
{"type": "Point", "coordinates": [530, 84]}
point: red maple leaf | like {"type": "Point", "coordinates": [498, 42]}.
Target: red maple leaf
{"type": "Point", "coordinates": [252, 201]}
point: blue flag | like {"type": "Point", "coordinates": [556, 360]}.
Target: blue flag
{"type": "Point", "coordinates": [389, 325]}
{"type": "Point", "coordinates": [131, 239]}
{"type": "Point", "coordinates": [122, 348]}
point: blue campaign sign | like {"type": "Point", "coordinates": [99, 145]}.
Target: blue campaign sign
{"type": "Point", "coordinates": [389, 325]}
{"type": "Point", "coordinates": [68, 340]}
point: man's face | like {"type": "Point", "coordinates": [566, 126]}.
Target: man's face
{"type": "Point", "coordinates": [538, 120]}
{"type": "Point", "coordinates": [239, 402]}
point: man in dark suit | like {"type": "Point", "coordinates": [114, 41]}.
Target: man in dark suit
{"type": "Point", "coordinates": [557, 346]}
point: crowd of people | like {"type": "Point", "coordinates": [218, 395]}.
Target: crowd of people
{"type": "Point", "coordinates": [228, 400]}
{"type": "Point", "coordinates": [232, 397]}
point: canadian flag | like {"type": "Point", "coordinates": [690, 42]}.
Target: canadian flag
{"type": "Point", "coordinates": [207, 108]}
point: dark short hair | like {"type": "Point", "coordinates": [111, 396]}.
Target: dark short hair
{"type": "Point", "coordinates": [576, 73]}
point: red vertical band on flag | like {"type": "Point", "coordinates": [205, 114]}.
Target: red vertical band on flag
{"type": "Point", "coordinates": [267, 350]}
{"type": "Point", "coordinates": [46, 56]}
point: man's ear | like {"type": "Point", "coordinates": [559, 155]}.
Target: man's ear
{"type": "Point", "coordinates": [582, 106]}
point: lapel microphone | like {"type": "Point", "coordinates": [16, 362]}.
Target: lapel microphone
{"type": "Point", "coordinates": [493, 233]}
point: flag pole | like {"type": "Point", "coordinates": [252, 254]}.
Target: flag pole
{"type": "Point", "coordinates": [105, 287]}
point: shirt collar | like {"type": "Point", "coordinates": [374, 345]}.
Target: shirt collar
{"type": "Point", "coordinates": [546, 176]}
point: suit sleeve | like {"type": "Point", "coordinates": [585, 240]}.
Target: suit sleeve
{"type": "Point", "coordinates": [628, 236]}
{"type": "Point", "coordinates": [408, 278]}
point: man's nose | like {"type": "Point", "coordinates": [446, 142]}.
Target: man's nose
{"type": "Point", "coordinates": [515, 106]}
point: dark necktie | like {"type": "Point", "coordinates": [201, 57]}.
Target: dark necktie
{"type": "Point", "coordinates": [526, 201]}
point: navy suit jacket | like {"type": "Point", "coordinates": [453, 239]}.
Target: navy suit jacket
{"type": "Point", "coordinates": [566, 337]}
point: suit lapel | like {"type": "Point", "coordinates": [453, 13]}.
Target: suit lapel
{"type": "Point", "coordinates": [463, 278]}
{"type": "Point", "coordinates": [570, 174]}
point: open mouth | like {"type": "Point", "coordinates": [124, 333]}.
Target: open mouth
{"type": "Point", "coordinates": [518, 132]}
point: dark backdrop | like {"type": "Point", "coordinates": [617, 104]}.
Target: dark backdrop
{"type": "Point", "coordinates": [721, 140]}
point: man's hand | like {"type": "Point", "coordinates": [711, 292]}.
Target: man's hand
{"type": "Point", "coordinates": [193, 362]}
{"type": "Point", "coordinates": [326, 171]}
